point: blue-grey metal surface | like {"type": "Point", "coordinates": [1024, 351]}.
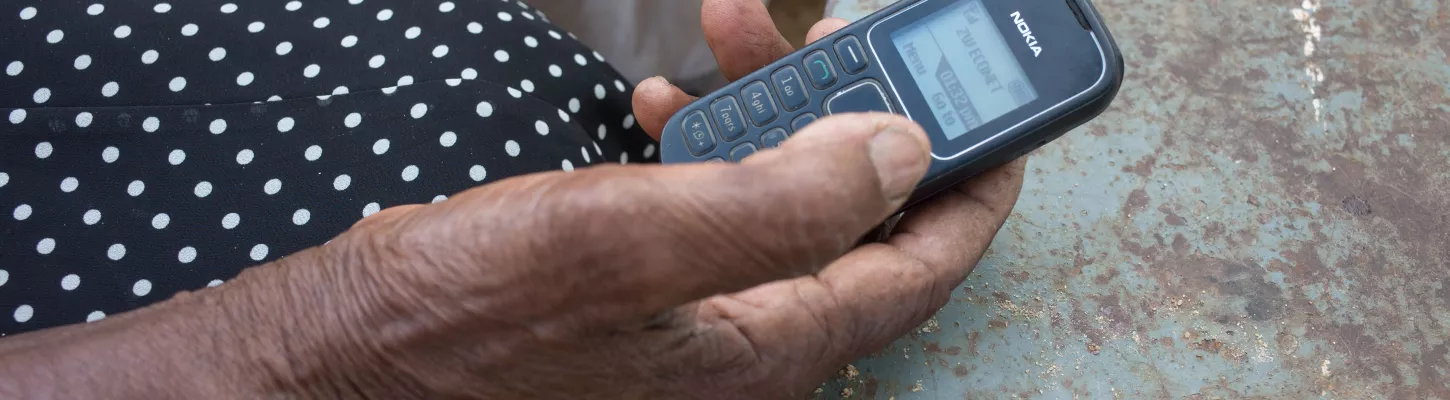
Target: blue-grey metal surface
{"type": "Point", "coordinates": [1262, 214]}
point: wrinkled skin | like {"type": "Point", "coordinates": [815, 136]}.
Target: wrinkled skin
{"type": "Point", "coordinates": [687, 281]}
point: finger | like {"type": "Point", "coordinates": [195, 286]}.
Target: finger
{"type": "Point", "coordinates": [742, 35]}
{"type": "Point", "coordinates": [628, 242]}
{"type": "Point", "coordinates": [825, 27]}
{"type": "Point", "coordinates": [655, 101]}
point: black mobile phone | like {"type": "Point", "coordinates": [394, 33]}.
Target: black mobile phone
{"type": "Point", "coordinates": [989, 80]}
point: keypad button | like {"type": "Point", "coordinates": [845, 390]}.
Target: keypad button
{"type": "Point", "coordinates": [742, 151]}
{"type": "Point", "coordinates": [773, 138]}
{"type": "Point", "coordinates": [715, 160]}
{"type": "Point", "coordinates": [820, 69]}
{"type": "Point", "coordinates": [801, 121]}
{"type": "Point", "coordinates": [759, 103]}
{"type": "Point", "coordinates": [865, 96]}
{"type": "Point", "coordinates": [696, 129]}
{"type": "Point", "coordinates": [792, 91]}
{"type": "Point", "coordinates": [728, 117]}
{"type": "Point", "coordinates": [853, 57]}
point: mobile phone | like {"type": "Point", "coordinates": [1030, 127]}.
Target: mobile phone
{"type": "Point", "coordinates": [989, 80]}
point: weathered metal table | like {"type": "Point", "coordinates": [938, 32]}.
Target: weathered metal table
{"type": "Point", "coordinates": [1262, 214]}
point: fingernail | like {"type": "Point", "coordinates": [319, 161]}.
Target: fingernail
{"type": "Point", "coordinates": [900, 160]}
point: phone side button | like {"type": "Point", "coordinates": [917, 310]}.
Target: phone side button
{"type": "Point", "coordinates": [773, 138]}
{"type": "Point", "coordinates": [696, 128]}
{"type": "Point", "coordinates": [742, 151]}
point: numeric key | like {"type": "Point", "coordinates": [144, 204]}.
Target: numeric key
{"type": "Point", "coordinates": [728, 117]}
{"type": "Point", "coordinates": [759, 103]}
{"type": "Point", "coordinates": [792, 92]}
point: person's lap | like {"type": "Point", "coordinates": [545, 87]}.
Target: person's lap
{"type": "Point", "coordinates": [138, 160]}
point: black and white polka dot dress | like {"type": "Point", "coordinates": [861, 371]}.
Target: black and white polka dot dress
{"type": "Point", "coordinates": [153, 147]}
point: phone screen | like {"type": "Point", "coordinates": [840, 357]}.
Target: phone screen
{"type": "Point", "coordinates": [963, 67]}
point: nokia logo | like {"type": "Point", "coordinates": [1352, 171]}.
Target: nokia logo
{"type": "Point", "coordinates": [1026, 33]}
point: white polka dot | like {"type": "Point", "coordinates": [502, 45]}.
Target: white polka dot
{"type": "Point", "coordinates": [579, 59]}
{"type": "Point", "coordinates": [527, 85]}
{"type": "Point", "coordinates": [377, 61]}
{"type": "Point", "coordinates": [284, 48]}
{"type": "Point", "coordinates": [541, 127]}
{"type": "Point", "coordinates": [501, 56]}
{"type": "Point", "coordinates": [599, 92]}
{"type": "Point", "coordinates": [82, 62]}
{"type": "Point", "coordinates": [245, 79]}
{"type": "Point", "coordinates": [24, 312]}
{"type": "Point", "coordinates": [477, 173]}
{"type": "Point", "coordinates": [160, 221]}
{"type": "Point", "coordinates": [135, 188]}
{"type": "Point", "coordinates": [598, 56]}
{"type": "Point", "coordinates": [217, 54]}
{"type": "Point", "coordinates": [484, 109]}
{"type": "Point", "coordinates": [285, 124]}
{"type": "Point", "coordinates": [385, 15]}
{"type": "Point", "coordinates": [202, 189]}
{"type": "Point", "coordinates": [555, 35]}
{"type": "Point", "coordinates": [110, 89]}
{"type": "Point", "coordinates": [41, 96]}
{"type": "Point", "coordinates": [45, 246]}
{"type": "Point", "coordinates": [176, 157]}
{"type": "Point", "coordinates": [505, 16]}
{"type": "Point", "coordinates": [95, 316]}
{"type": "Point", "coordinates": [218, 282]}
{"type": "Point", "coordinates": [150, 124]}
{"type": "Point", "coordinates": [567, 166]}
{"type": "Point", "coordinates": [189, 29]}
{"type": "Point", "coordinates": [516, 93]}
{"type": "Point", "coordinates": [563, 115]}
{"type": "Point", "coordinates": [440, 51]}
{"type": "Point", "coordinates": [116, 252]}
{"type": "Point", "coordinates": [229, 8]}
{"type": "Point", "coordinates": [70, 282]}
{"type": "Point", "coordinates": [258, 252]}
{"type": "Point", "coordinates": [149, 56]}
{"type": "Point", "coordinates": [141, 287]}
{"type": "Point", "coordinates": [110, 154]}
{"type": "Point", "coordinates": [530, 41]}
{"type": "Point", "coordinates": [84, 119]}
{"type": "Point", "coordinates": [17, 116]}
{"type": "Point", "coordinates": [555, 71]}
{"type": "Point", "coordinates": [619, 86]}
{"type": "Point", "coordinates": [527, 15]}
{"type": "Point", "coordinates": [177, 84]}
{"type": "Point", "coordinates": [231, 220]}
{"type": "Point", "coordinates": [27, 13]}
{"type": "Point", "coordinates": [122, 32]}
{"type": "Point", "coordinates": [405, 80]}
{"type": "Point", "coordinates": [512, 148]}
{"type": "Point", "coordinates": [381, 146]}
{"type": "Point", "coordinates": [439, 199]}
{"type": "Point", "coordinates": [446, 6]}
{"type": "Point", "coordinates": [294, 5]}
{"type": "Point", "coordinates": [311, 71]}
{"type": "Point", "coordinates": [349, 41]}
{"type": "Point", "coordinates": [186, 255]}
{"type": "Point", "coordinates": [584, 151]}
{"type": "Point", "coordinates": [475, 28]}
{"type": "Point", "coordinates": [301, 216]}
{"type": "Point", "coordinates": [4, 179]}
{"type": "Point", "coordinates": [469, 73]}
{"type": "Point", "coordinates": [4, 277]}
{"type": "Point", "coordinates": [272, 186]}
{"type": "Point", "coordinates": [55, 36]}
{"type": "Point", "coordinates": [14, 68]}
{"type": "Point", "coordinates": [312, 153]}
{"type": "Point", "coordinates": [370, 209]}
{"type": "Point", "coordinates": [69, 184]}
{"type": "Point", "coordinates": [43, 150]}
{"type": "Point", "coordinates": [649, 151]}
{"type": "Point", "coordinates": [410, 173]}
{"type": "Point", "coordinates": [256, 26]}
{"type": "Point", "coordinates": [447, 139]}
{"type": "Point", "coordinates": [341, 182]}
{"type": "Point", "coordinates": [418, 110]}
{"type": "Point", "coordinates": [91, 217]}
{"type": "Point", "coordinates": [22, 212]}
{"type": "Point", "coordinates": [352, 120]}
{"type": "Point", "coordinates": [413, 32]}
{"type": "Point", "coordinates": [161, 7]}
{"type": "Point", "coordinates": [245, 156]}
{"type": "Point", "coordinates": [321, 22]}
{"type": "Point", "coordinates": [597, 150]}
{"type": "Point", "coordinates": [629, 121]}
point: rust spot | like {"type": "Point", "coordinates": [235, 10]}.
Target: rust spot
{"type": "Point", "coordinates": [954, 350]}
{"type": "Point", "coordinates": [1137, 201]}
{"type": "Point", "coordinates": [932, 348]}
{"type": "Point", "coordinates": [1169, 217]}
{"type": "Point", "coordinates": [1143, 167]}
{"type": "Point", "coordinates": [1180, 243]}
{"type": "Point", "coordinates": [1355, 205]}
{"type": "Point", "coordinates": [997, 324]}
{"type": "Point", "coordinates": [960, 371]}
{"type": "Point", "coordinates": [1106, 277]}
{"type": "Point", "coordinates": [972, 343]}
{"type": "Point", "coordinates": [1020, 276]}
{"type": "Point", "coordinates": [1256, 74]}
{"type": "Point", "coordinates": [1094, 348]}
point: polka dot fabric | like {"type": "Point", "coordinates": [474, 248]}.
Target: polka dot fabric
{"type": "Point", "coordinates": [152, 148]}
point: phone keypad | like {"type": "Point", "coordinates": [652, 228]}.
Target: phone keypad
{"type": "Point", "coordinates": [727, 116]}
{"type": "Point", "coordinates": [773, 138]}
{"type": "Point", "coordinates": [697, 133]}
{"type": "Point", "coordinates": [820, 69]}
{"type": "Point", "coordinates": [743, 150]}
{"type": "Point", "coordinates": [801, 121]}
{"type": "Point", "coordinates": [759, 103]}
{"type": "Point", "coordinates": [853, 57]}
{"type": "Point", "coordinates": [792, 92]}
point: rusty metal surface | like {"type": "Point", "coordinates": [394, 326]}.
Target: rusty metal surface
{"type": "Point", "coordinates": [1262, 214]}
